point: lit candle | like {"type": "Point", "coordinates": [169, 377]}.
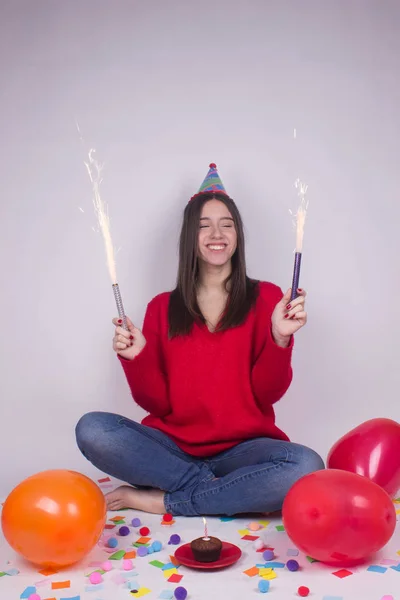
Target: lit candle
{"type": "Point", "coordinates": [205, 538]}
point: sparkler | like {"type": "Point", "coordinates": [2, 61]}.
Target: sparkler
{"type": "Point", "coordinates": [94, 170]}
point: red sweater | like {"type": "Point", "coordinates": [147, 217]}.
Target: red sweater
{"type": "Point", "coordinates": [210, 391]}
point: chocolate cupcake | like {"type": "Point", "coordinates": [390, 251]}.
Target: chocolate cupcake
{"type": "Point", "coordinates": [206, 549]}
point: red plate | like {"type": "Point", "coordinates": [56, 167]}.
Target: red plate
{"type": "Point", "coordinates": [229, 555]}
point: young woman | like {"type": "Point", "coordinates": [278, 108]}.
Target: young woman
{"type": "Point", "coordinates": [213, 358]}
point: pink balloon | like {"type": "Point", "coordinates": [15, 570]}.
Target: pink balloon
{"type": "Point", "coordinates": [373, 450]}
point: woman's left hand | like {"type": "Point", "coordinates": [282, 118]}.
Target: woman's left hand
{"type": "Point", "coordinates": [288, 317]}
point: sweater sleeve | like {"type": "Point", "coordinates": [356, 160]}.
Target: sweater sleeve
{"type": "Point", "coordinates": [146, 374]}
{"type": "Point", "coordinates": [271, 373]}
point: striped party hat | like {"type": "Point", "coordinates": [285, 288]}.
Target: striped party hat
{"type": "Point", "coordinates": [212, 182]}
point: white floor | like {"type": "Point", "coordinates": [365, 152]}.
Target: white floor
{"type": "Point", "coordinates": [229, 583]}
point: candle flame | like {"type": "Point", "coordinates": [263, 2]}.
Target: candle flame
{"type": "Point", "coordinates": [205, 529]}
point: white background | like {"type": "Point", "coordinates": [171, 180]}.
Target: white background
{"type": "Point", "coordinates": [160, 89]}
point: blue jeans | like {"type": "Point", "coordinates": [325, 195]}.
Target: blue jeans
{"type": "Point", "coordinates": [253, 476]}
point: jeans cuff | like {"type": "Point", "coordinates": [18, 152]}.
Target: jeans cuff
{"type": "Point", "coordinates": [180, 503]}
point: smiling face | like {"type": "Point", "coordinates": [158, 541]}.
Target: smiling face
{"type": "Point", "coordinates": [217, 240]}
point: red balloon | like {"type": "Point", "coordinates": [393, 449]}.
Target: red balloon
{"type": "Point", "coordinates": [338, 517]}
{"type": "Point", "coordinates": [372, 449]}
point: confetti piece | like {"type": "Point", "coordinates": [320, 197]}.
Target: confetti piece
{"type": "Point", "coordinates": [157, 563]}
{"type": "Point", "coordinates": [168, 522]}
{"type": "Point", "coordinates": [131, 573]}
{"type": "Point", "coordinates": [117, 518]}
{"type": "Point", "coordinates": [127, 564]}
{"type": "Point", "coordinates": [42, 583]}
{"type": "Point", "coordinates": [99, 571]}
{"type": "Point", "coordinates": [117, 555]}
{"type": "Point", "coordinates": [226, 519]}
{"type": "Point", "coordinates": [109, 526]}
{"type": "Point", "coordinates": [264, 571]}
{"type": "Point", "coordinates": [243, 532]}
{"type": "Point", "coordinates": [141, 592]}
{"type": "Point", "coordinates": [95, 563]}
{"type": "Point", "coordinates": [265, 523]}
{"type": "Point", "coordinates": [292, 552]}
{"type": "Point", "coordinates": [168, 572]}
{"type": "Point", "coordinates": [275, 565]}
{"type": "Point", "coordinates": [119, 579]}
{"type": "Point", "coordinates": [47, 572]}
{"type": "Point", "coordinates": [342, 573]}
{"type": "Point", "coordinates": [28, 592]}
{"type": "Point", "coordinates": [311, 559]}
{"type": "Point", "coordinates": [174, 560]}
{"type": "Point", "coordinates": [130, 554]}
{"type": "Point", "coordinates": [12, 572]}
{"type": "Point", "coordinates": [398, 552]}
{"type": "Point", "coordinates": [280, 528]}
{"type": "Point", "coordinates": [79, 598]}
{"type": "Point", "coordinates": [175, 539]}
{"type": "Point", "coordinates": [94, 588]}
{"type": "Point", "coordinates": [268, 554]}
{"type": "Point", "coordinates": [292, 565]}
{"type": "Point", "coordinates": [263, 586]}
{"type": "Point", "coordinates": [396, 568]}
{"type": "Point", "coordinates": [104, 480]}
{"type": "Point", "coordinates": [167, 566]}
{"type": "Point", "coordinates": [377, 569]}
{"type": "Point", "coordinates": [60, 585]}
{"type": "Point", "coordinates": [134, 586]}
{"type": "Point", "coordinates": [389, 561]}
{"type": "Point", "coordinates": [270, 576]}
{"type": "Point", "coordinates": [74, 598]}
{"type": "Point", "coordinates": [2, 574]}
{"type": "Point", "coordinates": [175, 578]}
{"type": "Point", "coordinates": [166, 595]}
{"type": "Point", "coordinates": [303, 591]}
{"type": "Point", "coordinates": [250, 538]}
{"type": "Point", "coordinates": [251, 572]}
{"type": "Point", "coordinates": [143, 540]}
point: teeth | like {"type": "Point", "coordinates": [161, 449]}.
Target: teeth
{"type": "Point", "coordinates": [216, 247]}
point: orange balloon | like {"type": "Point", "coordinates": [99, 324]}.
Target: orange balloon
{"type": "Point", "coordinates": [54, 518]}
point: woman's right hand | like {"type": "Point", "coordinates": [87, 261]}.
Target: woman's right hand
{"type": "Point", "coordinates": [128, 344]}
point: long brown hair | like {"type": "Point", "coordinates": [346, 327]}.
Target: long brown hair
{"type": "Point", "coordinates": [242, 291]}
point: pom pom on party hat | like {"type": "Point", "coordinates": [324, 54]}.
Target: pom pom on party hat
{"type": "Point", "coordinates": [212, 182]}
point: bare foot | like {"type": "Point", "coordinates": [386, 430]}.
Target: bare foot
{"type": "Point", "coordinates": [125, 496]}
